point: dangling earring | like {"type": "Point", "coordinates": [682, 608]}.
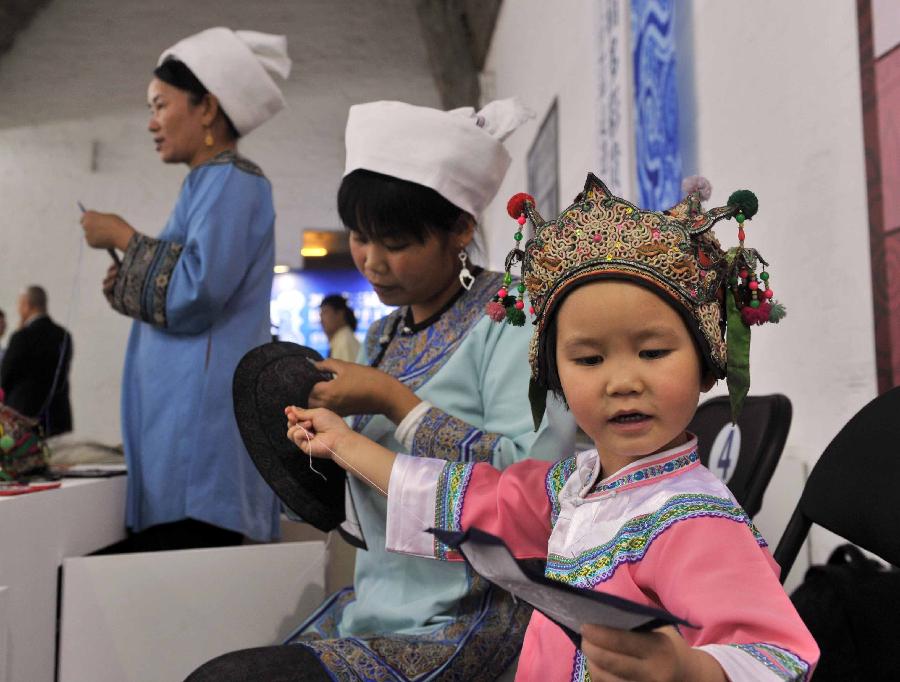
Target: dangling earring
{"type": "Point", "coordinates": [466, 278]}
{"type": "Point", "coordinates": [208, 140]}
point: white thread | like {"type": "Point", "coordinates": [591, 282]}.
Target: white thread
{"type": "Point", "coordinates": [309, 453]}
{"type": "Point", "coordinates": [361, 475]}
{"type": "Point", "coordinates": [335, 455]}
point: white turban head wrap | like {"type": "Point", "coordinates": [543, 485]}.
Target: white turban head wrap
{"type": "Point", "coordinates": [234, 66]}
{"type": "Point", "coordinates": [459, 153]}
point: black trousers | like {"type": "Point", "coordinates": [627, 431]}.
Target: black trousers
{"type": "Point", "coordinates": [287, 663]}
{"type": "Point", "coordinates": [185, 534]}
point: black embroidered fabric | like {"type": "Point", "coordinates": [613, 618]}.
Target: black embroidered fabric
{"type": "Point", "coordinates": [268, 379]}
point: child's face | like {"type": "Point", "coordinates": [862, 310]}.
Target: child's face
{"type": "Point", "coordinates": [629, 370]}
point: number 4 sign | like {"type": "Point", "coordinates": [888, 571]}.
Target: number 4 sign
{"type": "Point", "coordinates": [726, 450]}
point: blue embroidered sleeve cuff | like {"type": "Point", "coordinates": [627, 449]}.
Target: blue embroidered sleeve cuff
{"type": "Point", "coordinates": [442, 436]}
{"type": "Point", "coordinates": [143, 281]}
{"type": "Point", "coordinates": [759, 661]}
{"type": "Point", "coordinates": [449, 496]}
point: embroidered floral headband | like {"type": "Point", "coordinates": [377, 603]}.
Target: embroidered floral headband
{"type": "Point", "coordinates": [675, 253]}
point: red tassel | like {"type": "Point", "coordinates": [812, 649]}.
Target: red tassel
{"type": "Point", "coordinates": [749, 316]}
{"type": "Point", "coordinates": [759, 315]}
{"type": "Point", "coordinates": [516, 205]}
{"type": "Point", "coordinates": [495, 311]}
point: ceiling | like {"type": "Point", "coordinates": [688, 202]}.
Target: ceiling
{"type": "Point", "coordinates": [61, 82]}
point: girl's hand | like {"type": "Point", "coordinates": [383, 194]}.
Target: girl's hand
{"type": "Point", "coordinates": [658, 656]}
{"type": "Point", "coordinates": [358, 389]}
{"type": "Point", "coordinates": [323, 434]}
{"type": "Point", "coordinates": [316, 432]}
{"type": "Point", "coordinates": [106, 230]}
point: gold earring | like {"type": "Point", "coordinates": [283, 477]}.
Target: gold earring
{"type": "Point", "coordinates": [208, 140]}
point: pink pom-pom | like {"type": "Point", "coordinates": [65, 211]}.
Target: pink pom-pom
{"type": "Point", "coordinates": [495, 311]}
{"type": "Point", "coordinates": [502, 292]}
{"type": "Point", "coordinates": [516, 205]}
{"type": "Point", "coordinates": [754, 285]}
{"type": "Point", "coordinates": [531, 310]}
{"type": "Point", "coordinates": [520, 304]}
{"type": "Point", "coordinates": [521, 220]}
{"type": "Point", "coordinates": [697, 183]}
{"type": "Point", "coordinates": [768, 293]}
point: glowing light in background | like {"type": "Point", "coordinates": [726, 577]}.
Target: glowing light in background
{"type": "Point", "coordinates": [313, 251]}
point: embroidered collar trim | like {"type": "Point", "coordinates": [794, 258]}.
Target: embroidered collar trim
{"type": "Point", "coordinates": [670, 462]}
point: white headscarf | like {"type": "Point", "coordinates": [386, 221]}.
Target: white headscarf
{"type": "Point", "coordinates": [233, 66]}
{"type": "Point", "coordinates": [459, 153]}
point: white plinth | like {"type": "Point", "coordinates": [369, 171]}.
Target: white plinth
{"type": "Point", "coordinates": [157, 616]}
{"type": "Point", "coordinates": [37, 531]}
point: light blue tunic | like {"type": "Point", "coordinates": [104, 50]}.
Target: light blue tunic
{"type": "Point", "coordinates": [201, 295]}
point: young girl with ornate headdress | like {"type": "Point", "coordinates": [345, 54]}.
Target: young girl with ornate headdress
{"type": "Point", "coordinates": [631, 309]}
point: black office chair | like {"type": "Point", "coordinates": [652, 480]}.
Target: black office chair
{"type": "Point", "coordinates": [852, 490]}
{"type": "Point", "coordinates": [764, 424]}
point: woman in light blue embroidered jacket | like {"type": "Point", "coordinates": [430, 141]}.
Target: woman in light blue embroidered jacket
{"type": "Point", "coordinates": [436, 379]}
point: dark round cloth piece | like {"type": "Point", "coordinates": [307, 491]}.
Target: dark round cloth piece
{"type": "Point", "coordinates": [293, 663]}
{"type": "Point", "coordinates": [268, 379]}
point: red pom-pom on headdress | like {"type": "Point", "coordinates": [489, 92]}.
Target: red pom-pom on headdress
{"type": "Point", "coordinates": [495, 311]}
{"type": "Point", "coordinates": [516, 205]}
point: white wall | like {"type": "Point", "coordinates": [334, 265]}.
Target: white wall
{"type": "Point", "coordinates": [76, 79]}
{"type": "Point", "coordinates": [777, 110]}
{"type": "Point", "coordinates": [544, 51]}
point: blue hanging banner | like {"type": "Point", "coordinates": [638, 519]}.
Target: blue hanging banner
{"type": "Point", "coordinates": [658, 159]}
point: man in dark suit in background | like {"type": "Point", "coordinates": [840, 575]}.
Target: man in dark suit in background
{"type": "Point", "coordinates": [34, 372]}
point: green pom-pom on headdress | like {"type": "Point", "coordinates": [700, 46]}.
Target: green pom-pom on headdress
{"type": "Point", "coordinates": [777, 312]}
{"type": "Point", "coordinates": [515, 316]}
{"type": "Point", "coordinates": [746, 202]}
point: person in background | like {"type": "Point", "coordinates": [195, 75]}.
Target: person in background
{"type": "Point", "coordinates": [34, 372]}
{"type": "Point", "coordinates": [339, 323]}
{"type": "Point", "coordinates": [199, 293]}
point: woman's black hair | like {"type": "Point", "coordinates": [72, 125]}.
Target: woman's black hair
{"type": "Point", "coordinates": [340, 304]}
{"type": "Point", "coordinates": [177, 74]}
{"type": "Point", "coordinates": [380, 207]}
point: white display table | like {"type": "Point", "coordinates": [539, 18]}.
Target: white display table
{"type": "Point", "coordinates": [156, 616]}
{"type": "Point", "coordinates": [38, 531]}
